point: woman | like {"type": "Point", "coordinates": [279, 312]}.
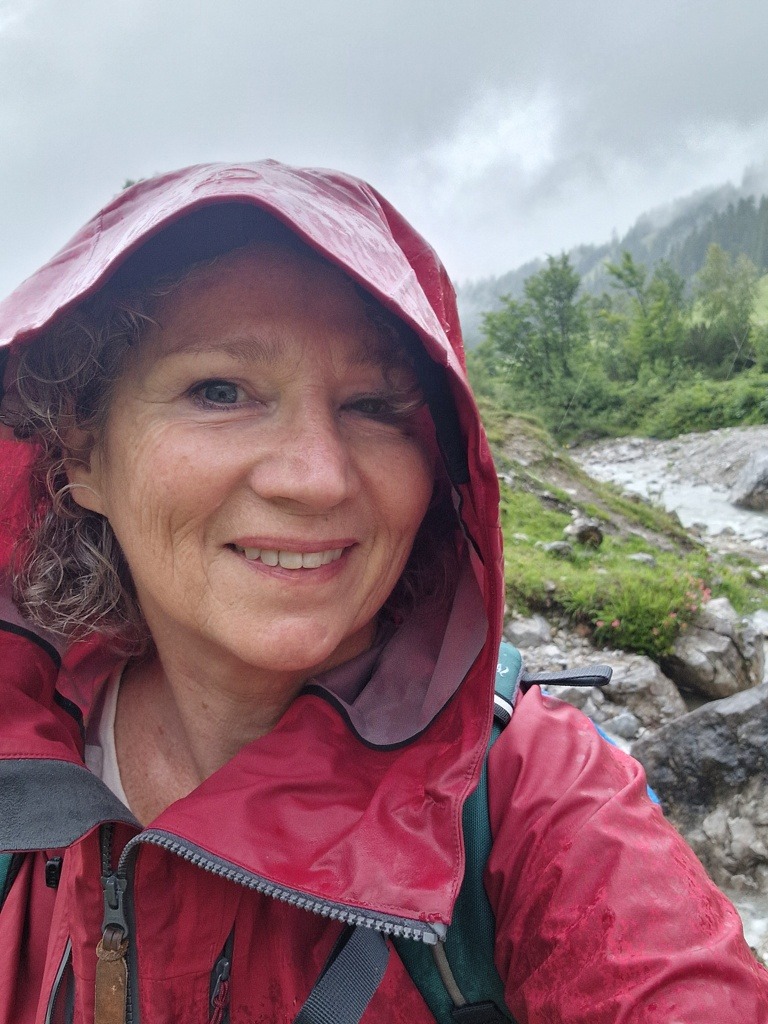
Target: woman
{"type": "Point", "coordinates": [258, 592]}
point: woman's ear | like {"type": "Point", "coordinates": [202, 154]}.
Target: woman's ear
{"type": "Point", "coordinates": [83, 469]}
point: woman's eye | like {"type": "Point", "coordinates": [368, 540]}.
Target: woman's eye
{"type": "Point", "coordinates": [373, 406]}
{"type": "Point", "coordinates": [217, 392]}
{"type": "Point", "coordinates": [389, 408]}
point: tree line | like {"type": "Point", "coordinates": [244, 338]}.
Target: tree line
{"type": "Point", "coordinates": [650, 354]}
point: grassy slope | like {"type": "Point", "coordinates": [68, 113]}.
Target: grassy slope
{"type": "Point", "coordinates": [624, 603]}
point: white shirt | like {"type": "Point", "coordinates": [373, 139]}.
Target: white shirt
{"type": "Point", "coordinates": [100, 751]}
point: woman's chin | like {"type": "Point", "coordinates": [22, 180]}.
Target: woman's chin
{"type": "Point", "coordinates": [295, 651]}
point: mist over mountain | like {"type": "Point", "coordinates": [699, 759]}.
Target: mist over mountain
{"type": "Point", "coordinates": [736, 217]}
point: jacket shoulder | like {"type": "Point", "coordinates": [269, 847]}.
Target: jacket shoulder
{"type": "Point", "coordinates": [603, 913]}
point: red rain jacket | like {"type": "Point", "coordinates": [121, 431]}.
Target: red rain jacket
{"type": "Point", "coordinates": [345, 811]}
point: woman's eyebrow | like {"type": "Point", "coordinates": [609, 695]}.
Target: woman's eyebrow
{"type": "Point", "coordinates": [243, 348]}
{"type": "Point", "coordinates": [253, 347]}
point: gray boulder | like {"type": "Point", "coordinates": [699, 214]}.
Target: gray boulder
{"type": "Point", "coordinates": [718, 655]}
{"type": "Point", "coordinates": [759, 622]}
{"type": "Point", "coordinates": [639, 685]}
{"type": "Point", "coordinates": [558, 548]}
{"type": "Point", "coordinates": [751, 487]}
{"type": "Point", "coordinates": [532, 632]}
{"type": "Point", "coordinates": [643, 558]}
{"type": "Point", "coordinates": [639, 697]}
{"type": "Point", "coordinates": [709, 768]}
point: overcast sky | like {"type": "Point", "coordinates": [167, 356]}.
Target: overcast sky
{"type": "Point", "coordinates": [503, 129]}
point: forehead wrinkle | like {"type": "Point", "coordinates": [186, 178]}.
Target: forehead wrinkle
{"type": "Point", "coordinates": [241, 347]}
{"type": "Point", "coordinates": [249, 347]}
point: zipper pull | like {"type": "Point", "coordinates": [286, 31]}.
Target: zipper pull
{"type": "Point", "coordinates": [220, 993]}
{"type": "Point", "coordinates": [111, 966]}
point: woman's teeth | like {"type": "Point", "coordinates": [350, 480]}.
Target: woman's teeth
{"type": "Point", "coordinates": [291, 559]}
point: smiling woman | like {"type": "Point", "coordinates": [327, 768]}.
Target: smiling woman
{"type": "Point", "coordinates": [249, 667]}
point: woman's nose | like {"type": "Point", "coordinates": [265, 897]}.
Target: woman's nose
{"type": "Point", "coordinates": [309, 464]}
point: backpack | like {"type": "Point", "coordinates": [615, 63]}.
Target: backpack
{"type": "Point", "coordinates": [458, 978]}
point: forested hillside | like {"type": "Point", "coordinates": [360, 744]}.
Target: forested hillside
{"type": "Point", "coordinates": [736, 219]}
{"type": "Point", "coordinates": [653, 353]}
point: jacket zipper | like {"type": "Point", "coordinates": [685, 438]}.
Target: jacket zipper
{"type": "Point", "coordinates": [396, 926]}
{"type": "Point", "coordinates": [115, 969]}
{"type": "Point", "coordinates": [219, 1001]}
{"type": "Point", "coordinates": [118, 907]}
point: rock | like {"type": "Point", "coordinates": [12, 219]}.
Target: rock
{"type": "Point", "coordinates": [718, 655]}
{"type": "Point", "coordinates": [639, 685]}
{"type": "Point", "coordinates": [643, 558]}
{"type": "Point", "coordinates": [720, 616]}
{"type": "Point", "coordinates": [751, 488]}
{"type": "Point", "coordinates": [551, 657]}
{"type": "Point", "coordinates": [625, 724]}
{"type": "Point", "coordinates": [531, 632]}
{"type": "Point", "coordinates": [709, 768]}
{"type": "Point", "coordinates": [558, 548]}
{"type": "Point", "coordinates": [759, 622]}
{"type": "Point", "coordinates": [585, 531]}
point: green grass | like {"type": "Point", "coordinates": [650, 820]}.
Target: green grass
{"type": "Point", "coordinates": [626, 604]}
{"type": "Point", "coordinates": [709, 405]}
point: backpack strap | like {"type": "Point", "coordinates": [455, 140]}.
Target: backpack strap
{"type": "Point", "coordinates": [458, 978]}
{"type": "Point", "coordinates": [5, 867]}
{"type": "Point", "coordinates": [353, 973]}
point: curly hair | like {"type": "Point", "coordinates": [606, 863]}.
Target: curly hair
{"type": "Point", "coordinates": [71, 575]}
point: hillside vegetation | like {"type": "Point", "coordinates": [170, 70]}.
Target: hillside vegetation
{"type": "Point", "coordinates": [651, 355]}
{"type": "Point", "coordinates": [622, 602]}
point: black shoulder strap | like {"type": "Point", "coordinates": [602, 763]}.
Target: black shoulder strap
{"type": "Point", "coordinates": [350, 978]}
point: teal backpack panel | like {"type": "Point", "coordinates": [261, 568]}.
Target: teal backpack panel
{"type": "Point", "coordinates": [469, 946]}
{"type": "Point", "coordinates": [9, 868]}
{"type": "Point", "coordinates": [5, 866]}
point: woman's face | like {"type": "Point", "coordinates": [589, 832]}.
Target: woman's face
{"type": "Point", "coordinates": [263, 471]}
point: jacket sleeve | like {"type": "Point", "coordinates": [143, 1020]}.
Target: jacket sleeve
{"type": "Point", "coordinates": [603, 913]}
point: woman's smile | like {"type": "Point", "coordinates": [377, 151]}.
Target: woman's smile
{"type": "Point", "coordinates": [291, 559]}
{"type": "Point", "coordinates": [298, 566]}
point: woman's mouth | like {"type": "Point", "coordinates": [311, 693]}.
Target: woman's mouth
{"type": "Point", "coordinates": [290, 559]}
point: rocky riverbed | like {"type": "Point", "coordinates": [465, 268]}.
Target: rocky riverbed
{"type": "Point", "coordinates": [698, 721]}
{"type": "Point", "coordinates": [698, 476]}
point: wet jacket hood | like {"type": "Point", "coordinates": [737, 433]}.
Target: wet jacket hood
{"type": "Point", "coordinates": [399, 817]}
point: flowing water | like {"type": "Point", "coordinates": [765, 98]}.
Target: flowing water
{"type": "Point", "coordinates": [692, 475]}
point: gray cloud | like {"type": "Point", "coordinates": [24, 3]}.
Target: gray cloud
{"type": "Point", "coordinates": [503, 129]}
